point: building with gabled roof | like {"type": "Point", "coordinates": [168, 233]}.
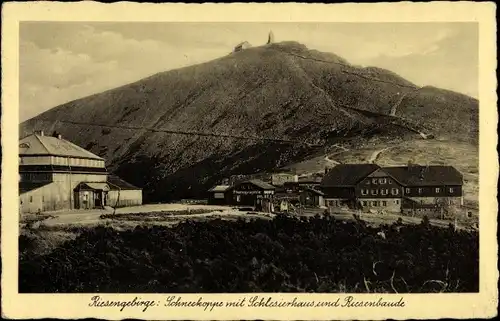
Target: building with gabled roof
{"type": "Point", "coordinates": [55, 174]}
{"type": "Point", "coordinates": [122, 193]}
{"type": "Point", "coordinates": [39, 144]}
{"type": "Point", "coordinates": [219, 195]}
{"type": "Point", "coordinates": [255, 193]}
{"type": "Point", "coordinates": [395, 189]}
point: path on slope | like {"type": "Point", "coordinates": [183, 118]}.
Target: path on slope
{"type": "Point", "coordinates": [373, 157]}
{"type": "Point", "coordinates": [328, 159]}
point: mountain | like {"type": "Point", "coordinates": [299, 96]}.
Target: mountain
{"type": "Point", "coordinates": [282, 90]}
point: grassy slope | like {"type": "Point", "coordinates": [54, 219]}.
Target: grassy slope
{"type": "Point", "coordinates": [279, 91]}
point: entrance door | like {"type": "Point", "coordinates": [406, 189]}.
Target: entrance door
{"type": "Point", "coordinates": [98, 199]}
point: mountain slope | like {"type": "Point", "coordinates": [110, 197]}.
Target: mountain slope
{"type": "Point", "coordinates": [280, 91]}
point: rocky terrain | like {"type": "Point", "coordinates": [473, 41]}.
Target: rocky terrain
{"type": "Point", "coordinates": [313, 101]}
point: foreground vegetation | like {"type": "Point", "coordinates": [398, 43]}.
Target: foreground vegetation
{"type": "Point", "coordinates": [318, 254]}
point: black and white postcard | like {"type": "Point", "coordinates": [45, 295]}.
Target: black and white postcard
{"type": "Point", "coordinates": [249, 161]}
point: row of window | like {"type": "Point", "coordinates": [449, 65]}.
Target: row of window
{"type": "Point", "coordinates": [395, 191]}
{"type": "Point", "coordinates": [57, 160]}
{"type": "Point", "coordinates": [385, 191]}
{"type": "Point", "coordinates": [437, 190]}
{"type": "Point", "coordinates": [77, 161]}
{"type": "Point", "coordinates": [376, 181]}
{"type": "Point", "coordinates": [379, 203]}
{"type": "Point", "coordinates": [368, 203]}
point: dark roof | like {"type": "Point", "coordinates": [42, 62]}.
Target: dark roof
{"type": "Point", "coordinates": [313, 190]}
{"type": "Point", "coordinates": [29, 186]}
{"type": "Point", "coordinates": [347, 174]}
{"type": "Point", "coordinates": [116, 183]}
{"type": "Point", "coordinates": [432, 175]}
{"type": "Point", "coordinates": [260, 184]}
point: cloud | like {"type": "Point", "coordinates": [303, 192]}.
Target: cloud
{"type": "Point", "coordinates": [87, 61]}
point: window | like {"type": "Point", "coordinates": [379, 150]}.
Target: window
{"type": "Point", "coordinates": [238, 198]}
{"type": "Point", "coordinates": [420, 191]}
{"type": "Point", "coordinates": [384, 203]}
{"type": "Point", "coordinates": [367, 182]}
{"type": "Point", "coordinates": [374, 181]}
{"type": "Point", "coordinates": [383, 181]}
{"type": "Point", "coordinates": [438, 190]}
{"type": "Point", "coordinates": [375, 203]}
{"type": "Point", "coordinates": [396, 202]}
{"type": "Point", "coordinates": [364, 203]}
{"type": "Point", "coordinates": [364, 192]}
{"type": "Point", "coordinates": [389, 181]}
{"type": "Point", "coordinates": [43, 199]}
{"type": "Point", "coordinates": [374, 191]}
{"type": "Point", "coordinates": [395, 191]}
{"type": "Point", "coordinates": [451, 190]}
{"type": "Point", "coordinates": [385, 191]}
{"type": "Point", "coordinates": [407, 190]}
{"type": "Point", "coordinates": [31, 199]}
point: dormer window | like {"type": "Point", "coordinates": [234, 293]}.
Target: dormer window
{"type": "Point", "coordinates": [24, 145]}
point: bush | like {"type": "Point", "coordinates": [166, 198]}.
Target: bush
{"type": "Point", "coordinates": [285, 254]}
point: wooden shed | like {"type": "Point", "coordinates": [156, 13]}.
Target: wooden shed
{"type": "Point", "coordinates": [219, 195]}
{"type": "Point", "coordinates": [122, 193]}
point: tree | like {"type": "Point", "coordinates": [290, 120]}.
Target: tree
{"type": "Point", "coordinates": [445, 207]}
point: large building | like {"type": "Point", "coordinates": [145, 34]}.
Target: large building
{"type": "Point", "coordinates": [55, 174]}
{"type": "Point", "coordinates": [409, 189]}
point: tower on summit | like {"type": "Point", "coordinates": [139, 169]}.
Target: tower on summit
{"type": "Point", "coordinates": [270, 38]}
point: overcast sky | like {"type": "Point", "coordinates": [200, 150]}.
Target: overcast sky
{"type": "Point", "coordinates": [63, 61]}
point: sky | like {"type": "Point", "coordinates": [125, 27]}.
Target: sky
{"type": "Point", "coordinates": [64, 61]}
